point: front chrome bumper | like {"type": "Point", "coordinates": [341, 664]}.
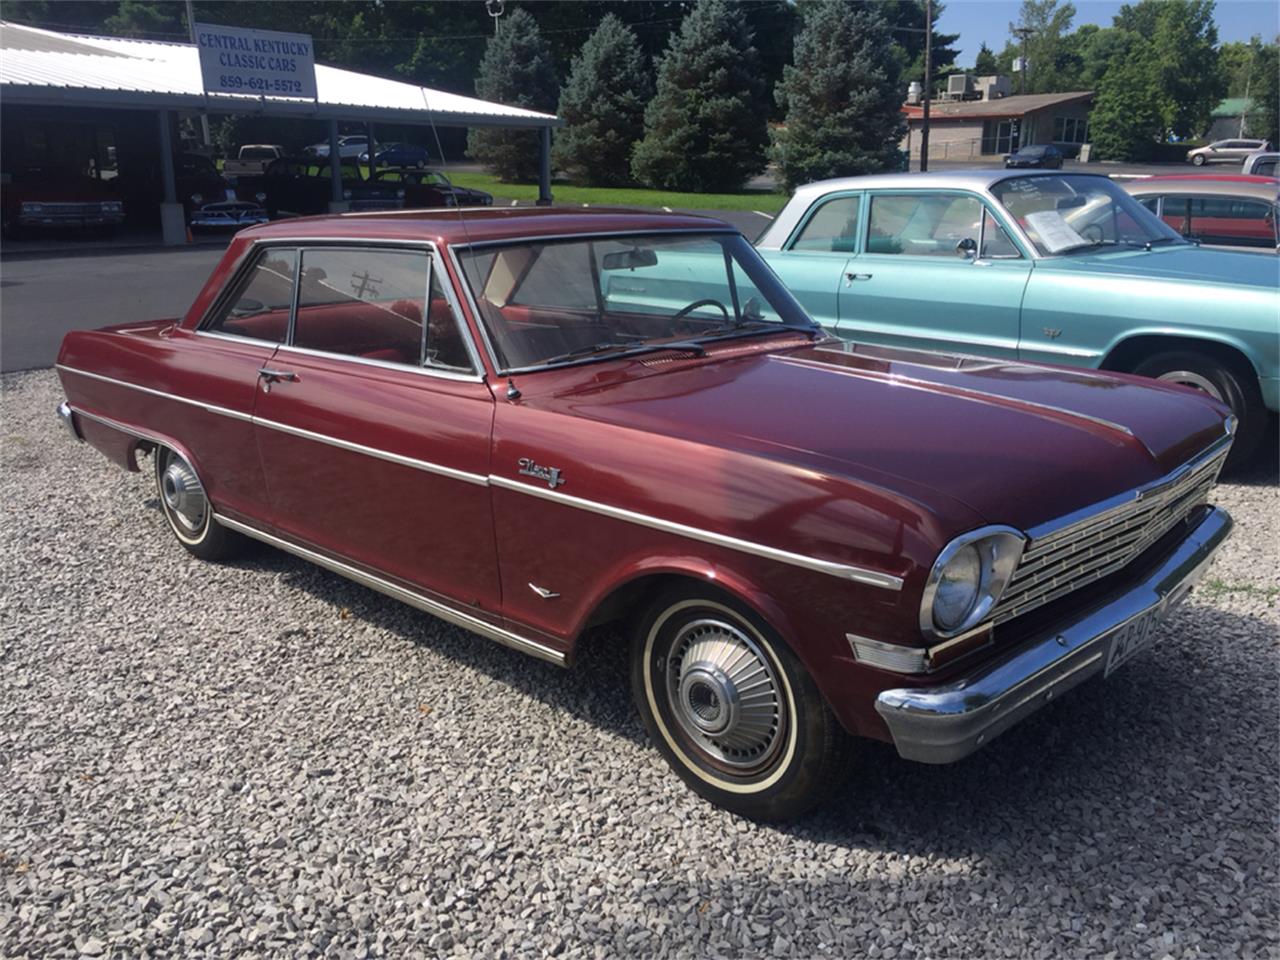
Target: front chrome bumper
{"type": "Point", "coordinates": [943, 724]}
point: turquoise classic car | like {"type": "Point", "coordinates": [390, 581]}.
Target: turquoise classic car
{"type": "Point", "coordinates": [1043, 266]}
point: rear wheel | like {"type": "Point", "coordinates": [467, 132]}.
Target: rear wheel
{"type": "Point", "coordinates": [1238, 389]}
{"type": "Point", "coordinates": [187, 509]}
{"type": "Point", "coordinates": [731, 708]}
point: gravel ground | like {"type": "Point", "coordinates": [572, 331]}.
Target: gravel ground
{"type": "Point", "coordinates": [263, 759]}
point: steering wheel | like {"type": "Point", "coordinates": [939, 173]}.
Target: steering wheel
{"type": "Point", "coordinates": [707, 302]}
{"type": "Point", "coordinates": [1093, 232]}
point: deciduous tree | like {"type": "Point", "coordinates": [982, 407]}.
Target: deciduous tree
{"type": "Point", "coordinates": [1127, 120]}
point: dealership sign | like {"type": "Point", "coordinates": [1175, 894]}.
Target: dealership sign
{"type": "Point", "coordinates": [263, 63]}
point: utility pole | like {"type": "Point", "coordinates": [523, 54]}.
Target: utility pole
{"type": "Point", "coordinates": [928, 85]}
{"type": "Point", "coordinates": [1023, 32]}
{"type": "Point", "coordinates": [191, 29]}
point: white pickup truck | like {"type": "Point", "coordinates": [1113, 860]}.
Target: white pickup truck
{"type": "Point", "coordinates": [252, 158]}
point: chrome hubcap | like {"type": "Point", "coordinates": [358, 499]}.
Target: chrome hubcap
{"type": "Point", "coordinates": [1189, 378]}
{"type": "Point", "coordinates": [183, 494]}
{"type": "Point", "coordinates": [724, 693]}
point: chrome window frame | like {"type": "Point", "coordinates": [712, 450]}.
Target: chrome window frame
{"type": "Point", "coordinates": [986, 201]}
{"type": "Point", "coordinates": [299, 244]}
{"type": "Point", "coordinates": [788, 245]}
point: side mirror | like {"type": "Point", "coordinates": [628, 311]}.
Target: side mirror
{"type": "Point", "coordinates": [967, 248]}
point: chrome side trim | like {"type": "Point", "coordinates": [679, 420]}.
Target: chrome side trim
{"type": "Point", "coordinates": [437, 609]}
{"type": "Point", "coordinates": [844, 571]}
{"type": "Point", "coordinates": [424, 465]}
{"type": "Point", "coordinates": [210, 407]}
{"type": "Point", "coordinates": [944, 723]}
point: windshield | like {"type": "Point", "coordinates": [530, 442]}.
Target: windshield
{"type": "Point", "coordinates": [1070, 213]}
{"type": "Point", "coordinates": [567, 301]}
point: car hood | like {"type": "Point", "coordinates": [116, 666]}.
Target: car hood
{"type": "Point", "coordinates": [1187, 263]}
{"type": "Point", "coordinates": [1015, 443]}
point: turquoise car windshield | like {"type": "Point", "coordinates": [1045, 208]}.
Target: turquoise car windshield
{"type": "Point", "coordinates": [1067, 214]}
{"type": "Point", "coordinates": [546, 302]}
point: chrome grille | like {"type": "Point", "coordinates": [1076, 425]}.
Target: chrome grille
{"type": "Point", "coordinates": [61, 209]}
{"type": "Point", "coordinates": [1086, 550]}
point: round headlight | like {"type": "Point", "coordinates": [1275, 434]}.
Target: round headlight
{"type": "Point", "coordinates": [260, 197]}
{"type": "Point", "coordinates": [399, 193]}
{"type": "Point", "coordinates": [968, 579]}
{"type": "Point", "coordinates": [959, 583]}
{"type": "Point", "coordinates": [197, 198]}
{"type": "Point", "coordinates": [346, 194]}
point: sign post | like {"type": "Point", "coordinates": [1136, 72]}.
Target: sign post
{"type": "Point", "coordinates": [264, 63]}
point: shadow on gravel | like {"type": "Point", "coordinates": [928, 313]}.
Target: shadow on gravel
{"type": "Point", "coordinates": [1153, 748]}
{"type": "Point", "coordinates": [1264, 471]}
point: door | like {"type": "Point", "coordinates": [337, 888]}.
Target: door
{"type": "Point", "coordinates": [936, 271]}
{"type": "Point", "coordinates": [374, 428]}
{"type": "Point", "coordinates": [812, 261]}
{"type": "Point", "coordinates": [221, 367]}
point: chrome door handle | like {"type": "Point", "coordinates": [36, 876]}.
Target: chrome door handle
{"type": "Point", "coordinates": [857, 276]}
{"type": "Point", "coordinates": [274, 376]}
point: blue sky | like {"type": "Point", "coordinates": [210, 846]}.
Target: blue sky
{"type": "Point", "coordinates": [988, 20]}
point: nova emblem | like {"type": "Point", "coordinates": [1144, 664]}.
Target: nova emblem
{"type": "Point", "coordinates": [549, 474]}
{"type": "Point", "coordinates": [1052, 332]}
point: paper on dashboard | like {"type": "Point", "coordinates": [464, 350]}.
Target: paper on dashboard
{"type": "Point", "coordinates": [1055, 233]}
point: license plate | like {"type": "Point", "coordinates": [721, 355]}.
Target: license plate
{"type": "Point", "coordinates": [1132, 638]}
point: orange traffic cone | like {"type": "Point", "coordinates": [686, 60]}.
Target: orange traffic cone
{"type": "Point", "coordinates": [190, 238]}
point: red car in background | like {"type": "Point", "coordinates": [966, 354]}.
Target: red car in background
{"type": "Point", "coordinates": [61, 202]}
{"type": "Point", "coordinates": [534, 422]}
{"type": "Point", "coordinates": [1229, 210]}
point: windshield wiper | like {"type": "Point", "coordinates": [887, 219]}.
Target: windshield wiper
{"type": "Point", "coordinates": [625, 349]}
{"type": "Point", "coordinates": [751, 327]}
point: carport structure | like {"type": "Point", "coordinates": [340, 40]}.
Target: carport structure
{"type": "Point", "coordinates": [43, 68]}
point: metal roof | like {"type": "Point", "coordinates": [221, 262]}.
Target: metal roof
{"type": "Point", "coordinates": [1015, 106]}
{"type": "Point", "coordinates": [46, 67]}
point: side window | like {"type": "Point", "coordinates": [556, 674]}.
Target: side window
{"type": "Point", "coordinates": [1151, 203]}
{"type": "Point", "coordinates": [446, 347]}
{"type": "Point", "coordinates": [259, 307]}
{"type": "Point", "coordinates": [922, 224]}
{"type": "Point", "coordinates": [363, 303]}
{"type": "Point", "coordinates": [833, 226]}
{"type": "Point", "coordinates": [996, 244]}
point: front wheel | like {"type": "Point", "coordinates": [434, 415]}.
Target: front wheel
{"type": "Point", "coordinates": [1237, 388]}
{"type": "Point", "coordinates": [731, 708]}
{"type": "Point", "coordinates": [187, 509]}
{"type": "Point", "coordinates": [1199, 160]}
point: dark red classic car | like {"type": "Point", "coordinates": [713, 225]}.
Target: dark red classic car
{"type": "Point", "coordinates": [533, 422]}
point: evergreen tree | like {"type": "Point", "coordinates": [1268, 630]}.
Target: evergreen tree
{"type": "Point", "coordinates": [985, 65]}
{"type": "Point", "coordinates": [705, 128]}
{"type": "Point", "coordinates": [842, 98]}
{"type": "Point", "coordinates": [602, 105]}
{"type": "Point", "coordinates": [516, 70]}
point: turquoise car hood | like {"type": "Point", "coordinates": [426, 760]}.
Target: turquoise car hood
{"type": "Point", "coordinates": [1188, 263]}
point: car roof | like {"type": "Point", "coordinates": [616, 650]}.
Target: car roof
{"type": "Point", "coordinates": [1219, 185]}
{"type": "Point", "coordinates": [466, 225]}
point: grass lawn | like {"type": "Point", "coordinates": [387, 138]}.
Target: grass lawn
{"type": "Point", "coordinates": [624, 196]}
